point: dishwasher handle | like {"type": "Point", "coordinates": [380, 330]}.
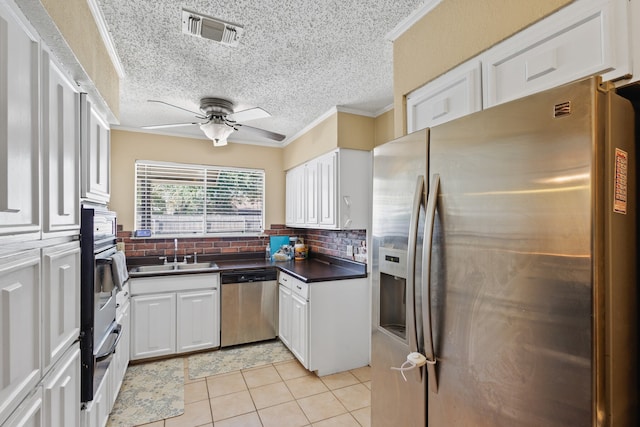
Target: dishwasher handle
{"type": "Point", "coordinates": [249, 276]}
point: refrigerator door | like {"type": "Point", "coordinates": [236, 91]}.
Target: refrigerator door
{"type": "Point", "coordinates": [399, 196]}
{"type": "Point", "coordinates": [514, 275]}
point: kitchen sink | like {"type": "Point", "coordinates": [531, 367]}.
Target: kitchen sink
{"type": "Point", "coordinates": [169, 268]}
{"type": "Point", "coordinates": [197, 265]}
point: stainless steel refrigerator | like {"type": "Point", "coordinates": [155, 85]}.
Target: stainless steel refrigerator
{"type": "Point", "coordinates": [504, 251]}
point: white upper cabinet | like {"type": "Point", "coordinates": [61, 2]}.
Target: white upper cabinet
{"type": "Point", "coordinates": [19, 127]}
{"type": "Point", "coordinates": [454, 94]}
{"type": "Point", "coordinates": [330, 191]}
{"type": "Point", "coordinates": [588, 37]}
{"type": "Point", "coordinates": [60, 150]}
{"type": "Point", "coordinates": [95, 148]}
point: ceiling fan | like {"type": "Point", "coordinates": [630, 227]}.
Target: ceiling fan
{"type": "Point", "coordinates": [219, 120]}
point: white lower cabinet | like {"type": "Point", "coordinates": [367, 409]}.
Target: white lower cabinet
{"type": "Point", "coordinates": [20, 328]}
{"type": "Point", "coordinates": [284, 315]}
{"type": "Point", "coordinates": [174, 314]}
{"type": "Point", "coordinates": [62, 392]}
{"type": "Point", "coordinates": [61, 299]}
{"type": "Point", "coordinates": [325, 324]}
{"type": "Point", "coordinates": [121, 356]}
{"type": "Point", "coordinates": [197, 322]}
{"type": "Point", "coordinates": [299, 329]}
{"type": "Point", "coordinates": [29, 413]}
{"type": "Point", "coordinates": [97, 411]}
{"type": "Point", "coordinates": [154, 325]}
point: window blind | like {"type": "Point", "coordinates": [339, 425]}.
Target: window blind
{"type": "Point", "coordinates": [180, 199]}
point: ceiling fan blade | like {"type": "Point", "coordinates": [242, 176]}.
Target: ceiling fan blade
{"type": "Point", "coordinates": [262, 132]}
{"type": "Point", "coordinates": [198, 115]}
{"type": "Point", "coordinates": [249, 114]}
{"type": "Point", "coordinates": [170, 125]}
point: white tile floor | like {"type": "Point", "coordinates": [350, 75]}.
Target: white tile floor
{"type": "Point", "coordinates": [282, 394]}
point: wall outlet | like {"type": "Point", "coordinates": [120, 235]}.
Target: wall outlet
{"type": "Point", "coordinates": [349, 250]}
{"type": "Point", "coordinates": [120, 246]}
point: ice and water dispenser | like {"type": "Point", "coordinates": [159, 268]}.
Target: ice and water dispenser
{"type": "Point", "coordinates": [393, 295]}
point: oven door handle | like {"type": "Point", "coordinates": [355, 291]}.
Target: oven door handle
{"type": "Point", "coordinates": [112, 349]}
{"type": "Point", "coordinates": [104, 260]}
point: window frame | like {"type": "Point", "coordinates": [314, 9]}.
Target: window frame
{"type": "Point", "coordinates": [205, 171]}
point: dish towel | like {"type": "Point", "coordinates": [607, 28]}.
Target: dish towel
{"type": "Point", "coordinates": [119, 269]}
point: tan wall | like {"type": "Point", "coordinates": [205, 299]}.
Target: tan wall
{"type": "Point", "coordinates": [127, 147]}
{"type": "Point", "coordinates": [75, 21]}
{"type": "Point", "coordinates": [355, 132]}
{"type": "Point", "coordinates": [318, 140]}
{"type": "Point", "coordinates": [340, 130]}
{"type": "Point", "coordinates": [383, 128]}
{"type": "Point", "coordinates": [454, 31]}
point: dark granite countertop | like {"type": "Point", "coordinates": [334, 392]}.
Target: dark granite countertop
{"type": "Point", "coordinates": [318, 268]}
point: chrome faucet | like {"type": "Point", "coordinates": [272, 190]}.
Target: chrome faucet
{"type": "Point", "coordinates": [175, 251]}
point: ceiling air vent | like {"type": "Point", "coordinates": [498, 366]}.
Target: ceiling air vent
{"type": "Point", "coordinates": [210, 28]}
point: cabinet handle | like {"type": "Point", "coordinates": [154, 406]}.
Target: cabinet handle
{"type": "Point", "coordinates": [298, 287]}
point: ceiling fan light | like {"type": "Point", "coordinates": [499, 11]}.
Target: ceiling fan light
{"type": "Point", "coordinates": [217, 132]}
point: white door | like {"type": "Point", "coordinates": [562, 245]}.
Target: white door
{"type": "Point", "coordinates": [299, 329]}
{"type": "Point", "coordinates": [60, 300]}
{"type": "Point", "coordinates": [20, 328]}
{"type": "Point", "coordinates": [327, 191]}
{"type": "Point", "coordinates": [62, 392]}
{"type": "Point", "coordinates": [153, 325]}
{"type": "Point", "coordinates": [96, 152]}
{"type": "Point", "coordinates": [60, 150]}
{"type": "Point", "coordinates": [198, 326]}
{"type": "Point", "coordinates": [284, 315]}
{"type": "Point", "coordinates": [19, 127]}
{"type": "Point", "coordinates": [311, 191]}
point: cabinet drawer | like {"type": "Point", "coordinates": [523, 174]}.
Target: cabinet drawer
{"type": "Point", "coordinates": [572, 44]}
{"type": "Point", "coordinates": [301, 288]}
{"type": "Point", "coordinates": [296, 286]}
{"type": "Point", "coordinates": [173, 283]}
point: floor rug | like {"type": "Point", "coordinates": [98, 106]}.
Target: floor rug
{"type": "Point", "coordinates": [150, 392]}
{"type": "Point", "coordinates": [235, 358]}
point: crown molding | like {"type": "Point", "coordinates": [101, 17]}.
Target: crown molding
{"type": "Point", "coordinates": [106, 38]}
{"type": "Point", "coordinates": [414, 17]}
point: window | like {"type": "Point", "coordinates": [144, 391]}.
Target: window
{"type": "Point", "coordinates": [181, 199]}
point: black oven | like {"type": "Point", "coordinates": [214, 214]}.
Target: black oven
{"type": "Point", "coordinates": [99, 332]}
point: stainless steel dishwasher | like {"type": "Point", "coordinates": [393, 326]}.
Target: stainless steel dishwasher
{"type": "Point", "coordinates": [249, 306]}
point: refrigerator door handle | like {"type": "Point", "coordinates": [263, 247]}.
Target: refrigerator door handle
{"type": "Point", "coordinates": [432, 201]}
{"type": "Point", "coordinates": [412, 330]}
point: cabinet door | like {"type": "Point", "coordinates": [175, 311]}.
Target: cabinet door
{"type": "Point", "coordinates": [62, 392]}
{"type": "Point", "coordinates": [60, 150]}
{"type": "Point", "coordinates": [300, 329]}
{"type": "Point", "coordinates": [198, 320]}
{"type": "Point", "coordinates": [583, 39]}
{"type": "Point", "coordinates": [284, 315]}
{"type": "Point", "coordinates": [61, 300]}
{"type": "Point", "coordinates": [290, 201]}
{"type": "Point", "coordinates": [448, 97]}
{"type": "Point", "coordinates": [121, 356]}
{"type": "Point", "coordinates": [153, 325]}
{"type": "Point", "coordinates": [96, 150]}
{"type": "Point", "coordinates": [20, 328]}
{"type": "Point", "coordinates": [97, 412]}
{"type": "Point", "coordinates": [296, 197]}
{"type": "Point", "coordinates": [19, 127]}
{"type": "Point", "coordinates": [29, 413]}
{"type": "Point", "coordinates": [327, 193]}
{"type": "Point", "coordinates": [311, 170]}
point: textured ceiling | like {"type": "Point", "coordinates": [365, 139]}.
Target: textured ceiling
{"type": "Point", "coordinates": [296, 59]}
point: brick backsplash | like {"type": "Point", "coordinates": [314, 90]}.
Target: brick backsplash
{"type": "Point", "coordinates": [328, 242]}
